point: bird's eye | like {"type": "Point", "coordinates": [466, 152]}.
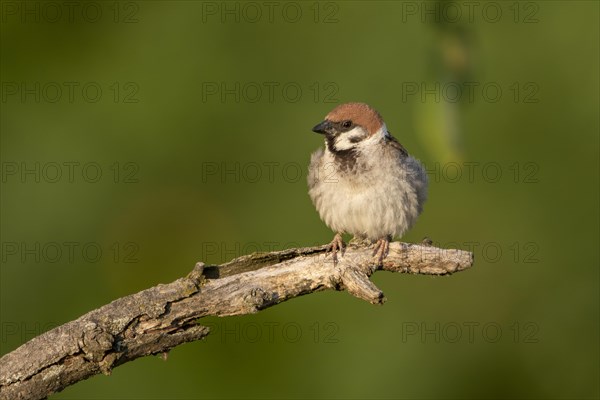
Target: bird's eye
{"type": "Point", "coordinates": [347, 124]}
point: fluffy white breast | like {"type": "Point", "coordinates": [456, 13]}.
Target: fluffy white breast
{"type": "Point", "coordinates": [381, 195]}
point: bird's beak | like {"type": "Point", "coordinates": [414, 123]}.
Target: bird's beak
{"type": "Point", "coordinates": [325, 127]}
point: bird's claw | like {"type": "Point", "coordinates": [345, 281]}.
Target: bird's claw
{"type": "Point", "coordinates": [381, 250]}
{"type": "Point", "coordinates": [336, 244]}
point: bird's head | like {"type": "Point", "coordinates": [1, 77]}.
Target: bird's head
{"type": "Point", "coordinates": [350, 124]}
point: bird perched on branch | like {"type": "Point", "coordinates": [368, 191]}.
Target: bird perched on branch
{"type": "Point", "coordinates": [364, 182]}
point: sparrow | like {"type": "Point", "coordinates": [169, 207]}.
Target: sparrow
{"type": "Point", "coordinates": [364, 182]}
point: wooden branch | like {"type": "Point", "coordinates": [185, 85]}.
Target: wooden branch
{"type": "Point", "coordinates": [157, 319]}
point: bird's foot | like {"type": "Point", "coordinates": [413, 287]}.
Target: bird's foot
{"type": "Point", "coordinates": [382, 248]}
{"type": "Point", "coordinates": [336, 244]}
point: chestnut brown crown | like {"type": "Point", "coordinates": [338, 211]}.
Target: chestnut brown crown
{"type": "Point", "coordinates": [359, 113]}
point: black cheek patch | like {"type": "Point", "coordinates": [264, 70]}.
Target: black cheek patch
{"type": "Point", "coordinates": [355, 139]}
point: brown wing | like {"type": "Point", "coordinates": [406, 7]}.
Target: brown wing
{"type": "Point", "coordinates": [392, 141]}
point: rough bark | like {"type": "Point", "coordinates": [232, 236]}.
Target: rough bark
{"type": "Point", "coordinates": [159, 318]}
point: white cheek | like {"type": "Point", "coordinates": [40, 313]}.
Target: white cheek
{"type": "Point", "coordinates": [343, 142]}
{"type": "Point", "coordinates": [370, 143]}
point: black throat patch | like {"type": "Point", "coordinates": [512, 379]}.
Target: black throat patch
{"type": "Point", "coordinates": [346, 158]}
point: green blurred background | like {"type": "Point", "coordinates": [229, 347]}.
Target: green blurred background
{"type": "Point", "coordinates": [171, 103]}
